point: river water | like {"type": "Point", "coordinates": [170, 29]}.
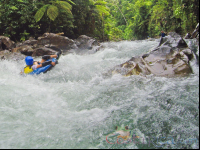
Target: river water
{"type": "Point", "coordinates": [76, 106]}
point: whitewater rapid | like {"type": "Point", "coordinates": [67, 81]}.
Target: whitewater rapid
{"type": "Point", "coordinates": [76, 105]}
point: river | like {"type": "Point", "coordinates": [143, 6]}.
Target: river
{"type": "Point", "coordinates": [76, 105]}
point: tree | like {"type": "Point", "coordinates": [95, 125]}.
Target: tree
{"type": "Point", "coordinates": [53, 9]}
{"type": "Point", "coordinates": [103, 11]}
{"type": "Point", "coordinates": [16, 19]}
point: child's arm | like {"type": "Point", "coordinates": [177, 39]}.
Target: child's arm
{"type": "Point", "coordinates": [46, 63]}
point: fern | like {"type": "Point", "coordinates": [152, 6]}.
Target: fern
{"type": "Point", "coordinates": [65, 6]}
{"type": "Point", "coordinates": [52, 12]}
{"type": "Point", "coordinates": [53, 9]}
{"type": "Point", "coordinates": [40, 13]}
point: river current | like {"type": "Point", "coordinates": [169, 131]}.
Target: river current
{"type": "Point", "coordinates": [76, 105]}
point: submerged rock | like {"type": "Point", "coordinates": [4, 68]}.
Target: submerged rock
{"type": "Point", "coordinates": [85, 42]}
{"type": "Point", "coordinates": [11, 56]}
{"type": "Point", "coordinates": [170, 58]}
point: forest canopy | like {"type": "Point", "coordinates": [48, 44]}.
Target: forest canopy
{"type": "Point", "coordinates": [101, 19]}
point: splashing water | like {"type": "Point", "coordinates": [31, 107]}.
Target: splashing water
{"type": "Point", "coordinates": [75, 106]}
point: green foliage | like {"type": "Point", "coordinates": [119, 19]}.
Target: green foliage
{"type": "Point", "coordinates": [52, 12]}
{"type": "Point", "coordinates": [102, 19]}
{"type": "Point", "coordinates": [40, 12]}
{"type": "Point", "coordinates": [24, 35]}
{"type": "Point", "coordinates": [149, 17]}
{"type": "Point", "coordinates": [53, 9]}
{"type": "Point", "coordinates": [16, 15]}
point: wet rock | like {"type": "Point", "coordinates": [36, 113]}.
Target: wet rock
{"type": "Point", "coordinates": [189, 53]}
{"type": "Point", "coordinates": [26, 50]}
{"type": "Point", "coordinates": [85, 42]}
{"type": "Point", "coordinates": [43, 51]}
{"type": "Point", "coordinates": [169, 59]}
{"type": "Point", "coordinates": [188, 36]}
{"type": "Point", "coordinates": [50, 44]}
{"type": "Point", "coordinates": [61, 42]}
{"type": "Point", "coordinates": [11, 56]}
{"type": "Point", "coordinates": [6, 43]}
{"type": "Point", "coordinates": [30, 42]}
{"type": "Point", "coordinates": [196, 32]}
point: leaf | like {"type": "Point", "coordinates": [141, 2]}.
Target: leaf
{"type": "Point", "coordinates": [13, 8]}
{"type": "Point", "coordinates": [102, 9]}
{"type": "Point", "coordinates": [65, 6]}
{"type": "Point", "coordinates": [40, 13]}
{"type": "Point", "coordinates": [71, 2]}
{"type": "Point", "coordinates": [52, 12]}
{"type": "Point", "coordinates": [100, 3]}
{"type": "Point", "coordinates": [20, 1]}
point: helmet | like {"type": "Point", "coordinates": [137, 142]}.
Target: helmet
{"type": "Point", "coordinates": [29, 60]}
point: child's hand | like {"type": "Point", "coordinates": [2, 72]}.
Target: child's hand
{"type": "Point", "coordinates": [53, 63]}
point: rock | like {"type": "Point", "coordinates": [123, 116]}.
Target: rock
{"type": "Point", "coordinates": [49, 44]}
{"type": "Point", "coordinates": [196, 31]}
{"type": "Point", "coordinates": [26, 50]}
{"type": "Point", "coordinates": [188, 36]}
{"type": "Point", "coordinates": [85, 42]}
{"type": "Point", "coordinates": [189, 53]}
{"type": "Point", "coordinates": [30, 42]}
{"type": "Point", "coordinates": [43, 51]}
{"type": "Point", "coordinates": [169, 59]}
{"type": "Point", "coordinates": [86, 45]}
{"type": "Point", "coordinates": [11, 56]}
{"type": "Point", "coordinates": [61, 42]}
{"type": "Point", "coordinates": [6, 43]}
{"type": "Point", "coordinates": [54, 48]}
{"type": "Point", "coordinates": [4, 53]}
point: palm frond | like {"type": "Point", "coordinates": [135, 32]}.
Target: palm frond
{"type": "Point", "coordinates": [65, 6]}
{"type": "Point", "coordinates": [52, 12]}
{"type": "Point", "coordinates": [71, 2]}
{"type": "Point", "coordinates": [40, 13]}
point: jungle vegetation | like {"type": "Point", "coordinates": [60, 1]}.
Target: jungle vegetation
{"type": "Point", "coordinates": [102, 19]}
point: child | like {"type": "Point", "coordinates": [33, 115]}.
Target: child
{"type": "Point", "coordinates": [32, 65]}
{"type": "Point", "coordinates": [162, 33]}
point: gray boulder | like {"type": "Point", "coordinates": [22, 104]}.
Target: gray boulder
{"type": "Point", "coordinates": [169, 59]}
{"type": "Point", "coordinates": [61, 42]}
{"type": "Point", "coordinates": [43, 51]}
{"type": "Point", "coordinates": [25, 49]}
{"type": "Point", "coordinates": [85, 42]}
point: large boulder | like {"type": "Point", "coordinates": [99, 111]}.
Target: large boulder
{"type": "Point", "coordinates": [26, 50]}
{"type": "Point", "coordinates": [195, 33]}
{"type": "Point", "coordinates": [6, 43]}
{"type": "Point", "coordinates": [43, 51]}
{"type": "Point", "coordinates": [86, 45]}
{"type": "Point", "coordinates": [85, 42]}
{"type": "Point", "coordinates": [169, 59]}
{"type": "Point", "coordinates": [61, 42]}
{"type": "Point", "coordinates": [49, 44]}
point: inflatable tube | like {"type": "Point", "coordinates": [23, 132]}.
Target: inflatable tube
{"type": "Point", "coordinates": [44, 69]}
